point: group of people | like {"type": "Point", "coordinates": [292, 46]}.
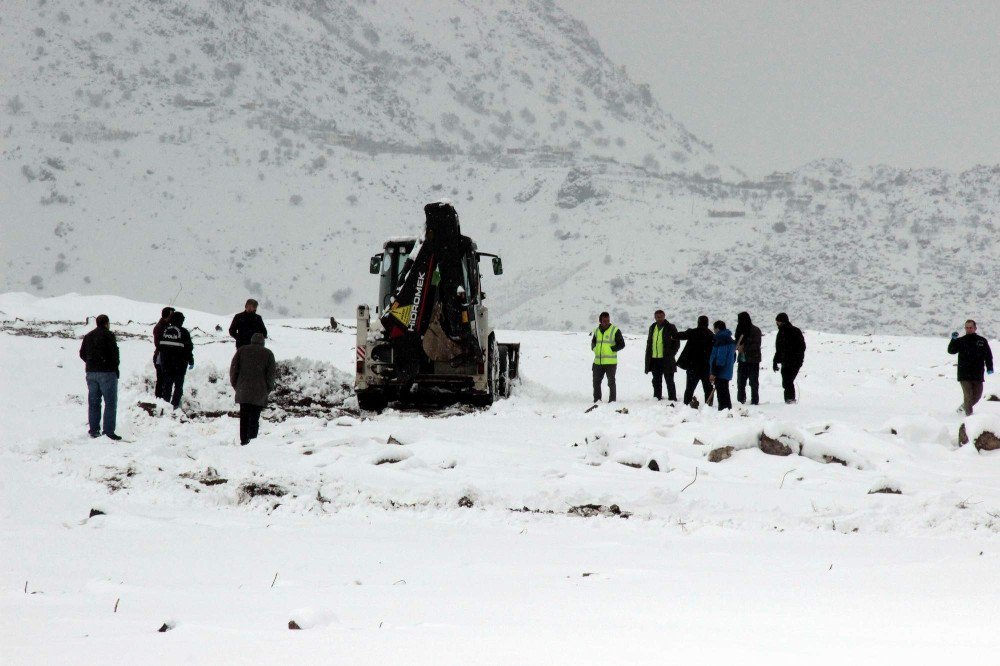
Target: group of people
{"type": "Point", "coordinates": [710, 355]}
{"type": "Point", "coordinates": [251, 371]}
{"type": "Point", "coordinates": [708, 358]}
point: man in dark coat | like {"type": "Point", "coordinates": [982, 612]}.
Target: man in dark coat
{"type": "Point", "coordinates": [99, 351]}
{"type": "Point", "coordinates": [157, 333]}
{"type": "Point", "coordinates": [789, 353]}
{"type": "Point", "coordinates": [694, 358]}
{"type": "Point", "coordinates": [251, 373]}
{"type": "Point", "coordinates": [176, 356]}
{"type": "Point", "coordinates": [748, 358]}
{"type": "Point", "coordinates": [974, 355]}
{"type": "Point", "coordinates": [661, 349]}
{"type": "Point", "coordinates": [246, 323]}
{"type": "Point", "coordinates": [606, 341]}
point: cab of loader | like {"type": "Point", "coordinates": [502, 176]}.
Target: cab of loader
{"type": "Point", "coordinates": [388, 265]}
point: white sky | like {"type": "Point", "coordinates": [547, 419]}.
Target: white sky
{"type": "Point", "coordinates": [774, 84]}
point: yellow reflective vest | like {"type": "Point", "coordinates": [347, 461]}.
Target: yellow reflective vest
{"type": "Point", "coordinates": [658, 342]}
{"type": "Point", "coordinates": [605, 340]}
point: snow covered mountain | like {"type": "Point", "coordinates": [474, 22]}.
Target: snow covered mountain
{"type": "Point", "coordinates": [228, 149]}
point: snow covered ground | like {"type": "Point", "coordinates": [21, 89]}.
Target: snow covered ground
{"type": "Point", "coordinates": [532, 532]}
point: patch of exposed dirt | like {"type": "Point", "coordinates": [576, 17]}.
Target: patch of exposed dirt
{"type": "Point", "coordinates": [251, 489]}
{"type": "Point", "coordinates": [886, 490]}
{"type": "Point", "coordinates": [591, 510]}
{"type": "Point", "coordinates": [116, 478]}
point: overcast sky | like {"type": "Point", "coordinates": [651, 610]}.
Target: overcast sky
{"type": "Point", "coordinates": [773, 84]}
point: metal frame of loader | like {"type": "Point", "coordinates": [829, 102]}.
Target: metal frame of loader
{"type": "Point", "coordinates": [479, 381]}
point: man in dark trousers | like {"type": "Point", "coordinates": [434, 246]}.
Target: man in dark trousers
{"type": "Point", "coordinates": [661, 350]}
{"type": "Point", "coordinates": [606, 341]}
{"type": "Point", "coordinates": [721, 364]}
{"type": "Point", "coordinates": [974, 355]}
{"type": "Point", "coordinates": [157, 333]}
{"type": "Point", "coordinates": [789, 353]}
{"type": "Point", "coordinates": [251, 373]}
{"type": "Point", "coordinates": [694, 358]}
{"type": "Point", "coordinates": [99, 351]}
{"type": "Point", "coordinates": [176, 356]}
{"type": "Point", "coordinates": [246, 323]}
{"type": "Point", "coordinates": [748, 358]}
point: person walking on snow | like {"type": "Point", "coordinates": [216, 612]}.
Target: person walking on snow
{"type": "Point", "coordinates": [748, 358]}
{"type": "Point", "coordinates": [99, 350]}
{"type": "Point", "coordinates": [606, 341]}
{"type": "Point", "coordinates": [694, 358]}
{"type": "Point", "coordinates": [246, 323]}
{"type": "Point", "coordinates": [661, 348]}
{"type": "Point", "coordinates": [721, 363]}
{"type": "Point", "coordinates": [974, 354]}
{"type": "Point", "coordinates": [176, 356]}
{"type": "Point", "coordinates": [251, 373]}
{"type": "Point", "coordinates": [157, 334]}
{"type": "Point", "coordinates": [789, 353]}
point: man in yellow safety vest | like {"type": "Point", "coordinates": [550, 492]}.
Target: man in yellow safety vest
{"type": "Point", "coordinates": [661, 349]}
{"type": "Point", "coordinates": [606, 342]}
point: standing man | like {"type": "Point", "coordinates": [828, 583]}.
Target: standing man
{"type": "Point", "coordinates": [721, 364]}
{"type": "Point", "coordinates": [606, 342]}
{"type": "Point", "coordinates": [973, 355]}
{"type": "Point", "coordinates": [694, 358]}
{"type": "Point", "coordinates": [748, 358]}
{"type": "Point", "coordinates": [789, 353]}
{"type": "Point", "coordinates": [251, 373]}
{"type": "Point", "coordinates": [99, 351]}
{"type": "Point", "coordinates": [176, 356]}
{"type": "Point", "coordinates": [246, 323]}
{"type": "Point", "coordinates": [157, 334]}
{"type": "Point", "coordinates": [661, 348]}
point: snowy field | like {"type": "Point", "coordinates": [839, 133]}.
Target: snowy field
{"type": "Point", "coordinates": [531, 532]}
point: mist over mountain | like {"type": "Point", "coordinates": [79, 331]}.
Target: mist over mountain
{"type": "Point", "coordinates": [222, 149]}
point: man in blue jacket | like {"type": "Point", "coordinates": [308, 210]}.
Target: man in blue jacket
{"type": "Point", "coordinates": [721, 363]}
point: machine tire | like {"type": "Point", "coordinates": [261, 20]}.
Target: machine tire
{"type": "Point", "coordinates": [503, 381]}
{"type": "Point", "coordinates": [372, 401]}
{"type": "Point", "coordinates": [492, 376]}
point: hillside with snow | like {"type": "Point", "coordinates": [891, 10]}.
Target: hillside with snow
{"type": "Point", "coordinates": [535, 531]}
{"type": "Point", "coordinates": [227, 149]}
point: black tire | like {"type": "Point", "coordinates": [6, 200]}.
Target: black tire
{"type": "Point", "coordinates": [372, 401]}
{"type": "Point", "coordinates": [503, 381]}
{"type": "Point", "coordinates": [492, 376]}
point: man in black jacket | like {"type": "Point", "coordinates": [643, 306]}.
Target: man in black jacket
{"type": "Point", "coordinates": [157, 332]}
{"type": "Point", "coordinates": [974, 355]}
{"type": "Point", "coordinates": [789, 353]}
{"type": "Point", "coordinates": [251, 373]}
{"type": "Point", "coordinates": [748, 358]}
{"type": "Point", "coordinates": [694, 358]}
{"type": "Point", "coordinates": [176, 356]}
{"type": "Point", "coordinates": [661, 349]}
{"type": "Point", "coordinates": [99, 351]}
{"type": "Point", "coordinates": [246, 323]}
